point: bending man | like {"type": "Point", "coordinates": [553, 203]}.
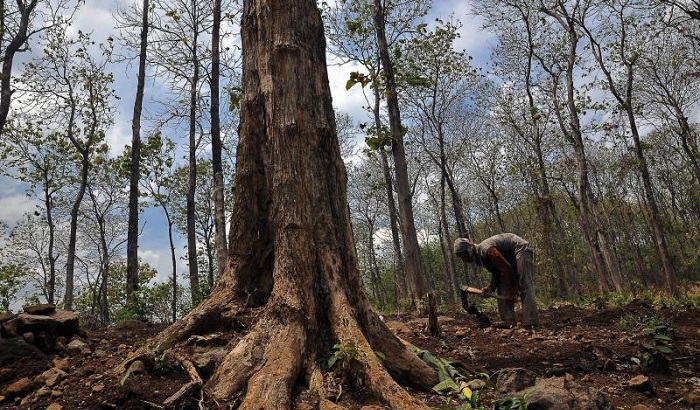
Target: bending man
{"type": "Point", "coordinates": [510, 260]}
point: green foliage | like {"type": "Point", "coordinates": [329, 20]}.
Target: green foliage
{"type": "Point", "coordinates": [453, 379]}
{"type": "Point", "coordinates": [657, 331]}
{"type": "Point", "coordinates": [510, 403]}
{"type": "Point", "coordinates": [12, 278]}
{"type": "Point", "coordinates": [342, 356]}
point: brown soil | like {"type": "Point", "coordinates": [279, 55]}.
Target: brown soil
{"type": "Point", "coordinates": [599, 347]}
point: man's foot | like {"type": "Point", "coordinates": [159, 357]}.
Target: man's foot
{"type": "Point", "coordinates": [503, 324]}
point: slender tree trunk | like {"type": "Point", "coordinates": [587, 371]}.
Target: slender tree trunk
{"type": "Point", "coordinates": [132, 244]}
{"type": "Point", "coordinates": [195, 289]}
{"type": "Point", "coordinates": [173, 264]}
{"type": "Point", "coordinates": [413, 260]}
{"type": "Point", "coordinates": [73, 235]}
{"type": "Point", "coordinates": [399, 271]}
{"type": "Point", "coordinates": [216, 147]}
{"type": "Point", "coordinates": [446, 248]}
{"type": "Point", "coordinates": [48, 200]}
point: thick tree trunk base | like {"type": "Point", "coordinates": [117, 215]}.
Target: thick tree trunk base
{"type": "Point", "coordinates": [276, 358]}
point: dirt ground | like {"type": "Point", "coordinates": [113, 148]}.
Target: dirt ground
{"type": "Point", "coordinates": [598, 347]}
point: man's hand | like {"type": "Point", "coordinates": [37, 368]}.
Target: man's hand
{"type": "Point", "coordinates": [486, 292]}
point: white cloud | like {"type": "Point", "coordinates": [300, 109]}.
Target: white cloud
{"type": "Point", "coordinates": [13, 207]}
{"type": "Point", "coordinates": [349, 101]}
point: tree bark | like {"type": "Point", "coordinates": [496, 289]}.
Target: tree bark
{"type": "Point", "coordinates": [292, 265]}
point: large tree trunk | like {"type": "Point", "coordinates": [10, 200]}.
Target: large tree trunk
{"type": "Point", "coordinates": [292, 256]}
{"type": "Point", "coordinates": [132, 241]}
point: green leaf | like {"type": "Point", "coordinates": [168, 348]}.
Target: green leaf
{"type": "Point", "coordinates": [664, 349]}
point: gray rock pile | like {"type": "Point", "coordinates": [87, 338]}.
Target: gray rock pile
{"type": "Point", "coordinates": [35, 335]}
{"type": "Point", "coordinates": [43, 326]}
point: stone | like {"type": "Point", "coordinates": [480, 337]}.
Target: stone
{"type": "Point", "coordinates": [510, 381]}
{"type": "Point", "coordinates": [98, 388]}
{"type": "Point", "coordinates": [5, 316]}
{"type": "Point", "coordinates": [15, 348]}
{"type": "Point", "coordinates": [29, 337]}
{"type": "Point", "coordinates": [76, 346]}
{"type": "Point", "coordinates": [40, 309]}
{"type": "Point", "coordinates": [399, 327]}
{"type": "Point", "coordinates": [692, 399]}
{"type": "Point", "coordinates": [63, 364]}
{"type": "Point", "coordinates": [68, 323]}
{"type": "Point", "coordinates": [46, 342]}
{"type": "Point", "coordinates": [51, 377]}
{"type": "Point", "coordinates": [476, 384]}
{"type": "Point", "coordinates": [137, 367]}
{"type": "Point", "coordinates": [6, 374]}
{"type": "Point", "coordinates": [640, 383]}
{"type": "Point", "coordinates": [557, 393]}
{"type": "Point", "coordinates": [54, 406]}
{"type": "Point", "coordinates": [20, 388]}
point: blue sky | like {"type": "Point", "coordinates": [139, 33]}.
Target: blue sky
{"type": "Point", "coordinates": [96, 16]}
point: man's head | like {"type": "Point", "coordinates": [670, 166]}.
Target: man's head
{"type": "Point", "coordinates": [465, 249]}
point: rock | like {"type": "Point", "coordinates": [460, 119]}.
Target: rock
{"type": "Point", "coordinates": [29, 337]}
{"type": "Point", "coordinates": [15, 348]}
{"type": "Point", "coordinates": [399, 327]}
{"type": "Point", "coordinates": [692, 399]}
{"type": "Point", "coordinates": [20, 388]}
{"type": "Point", "coordinates": [510, 381]}
{"type": "Point", "coordinates": [9, 328]}
{"type": "Point", "coordinates": [54, 406]}
{"type": "Point", "coordinates": [640, 383]}
{"type": "Point", "coordinates": [46, 342]}
{"type": "Point", "coordinates": [5, 316]}
{"type": "Point", "coordinates": [76, 347]}
{"type": "Point", "coordinates": [6, 374]}
{"type": "Point", "coordinates": [40, 309]}
{"type": "Point", "coordinates": [51, 377]}
{"type": "Point", "coordinates": [476, 384]}
{"type": "Point", "coordinates": [137, 367]}
{"type": "Point", "coordinates": [63, 364]}
{"type": "Point", "coordinates": [143, 354]}
{"type": "Point", "coordinates": [372, 407]}
{"type": "Point", "coordinates": [56, 394]}
{"type": "Point", "coordinates": [43, 392]}
{"type": "Point", "coordinates": [641, 407]}
{"type": "Point", "coordinates": [35, 323]}
{"type": "Point", "coordinates": [68, 323]}
{"type": "Point", "coordinates": [99, 387]}
{"type": "Point", "coordinates": [557, 393]}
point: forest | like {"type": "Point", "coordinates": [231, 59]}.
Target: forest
{"type": "Point", "coordinates": [579, 132]}
{"type": "Point", "coordinates": [306, 244]}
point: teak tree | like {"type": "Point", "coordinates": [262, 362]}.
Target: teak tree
{"type": "Point", "coordinates": [292, 266]}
